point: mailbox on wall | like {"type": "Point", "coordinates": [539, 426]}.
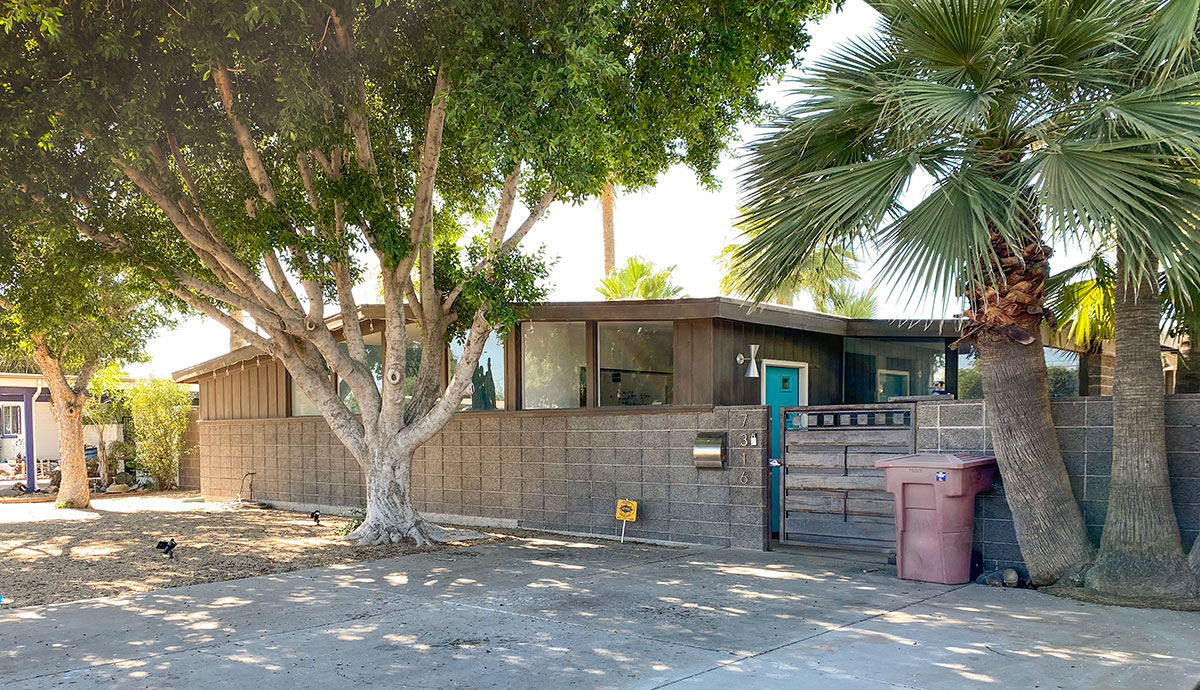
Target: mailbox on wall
{"type": "Point", "coordinates": [708, 452]}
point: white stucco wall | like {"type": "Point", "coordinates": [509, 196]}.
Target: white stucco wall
{"type": "Point", "coordinates": [45, 433]}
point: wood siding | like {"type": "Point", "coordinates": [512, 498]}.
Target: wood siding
{"type": "Point", "coordinates": [693, 362]}
{"type": "Point", "coordinates": [821, 351]}
{"type": "Point", "coordinates": [832, 494]}
{"type": "Point", "coordinates": [259, 390]}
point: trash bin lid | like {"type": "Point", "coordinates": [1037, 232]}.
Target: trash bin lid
{"type": "Point", "coordinates": [938, 460]}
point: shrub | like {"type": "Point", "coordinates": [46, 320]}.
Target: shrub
{"type": "Point", "coordinates": [160, 415]}
{"type": "Point", "coordinates": [65, 504]}
{"type": "Point", "coordinates": [357, 516]}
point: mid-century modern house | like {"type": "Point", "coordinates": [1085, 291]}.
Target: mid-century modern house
{"type": "Point", "coordinates": [588, 402]}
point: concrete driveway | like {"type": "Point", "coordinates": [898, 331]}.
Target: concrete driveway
{"type": "Point", "coordinates": [553, 613]}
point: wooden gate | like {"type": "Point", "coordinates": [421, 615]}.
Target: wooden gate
{"type": "Point", "coordinates": [832, 494]}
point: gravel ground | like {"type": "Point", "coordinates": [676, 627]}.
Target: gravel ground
{"type": "Point", "coordinates": [48, 555]}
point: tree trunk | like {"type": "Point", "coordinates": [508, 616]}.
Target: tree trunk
{"type": "Point", "coordinates": [1049, 525]}
{"type": "Point", "coordinates": [610, 240]}
{"type": "Point", "coordinates": [1005, 322]}
{"type": "Point", "coordinates": [1140, 551]}
{"type": "Point", "coordinates": [1187, 376]}
{"type": "Point", "coordinates": [391, 517]}
{"type": "Point", "coordinates": [102, 456]}
{"type": "Point", "coordinates": [68, 413]}
{"type": "Point", "coordinates": [429, 384]}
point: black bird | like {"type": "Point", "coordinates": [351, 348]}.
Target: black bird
{"type": "Point", "coordinates": [167, 547]}
{"type": "Point", "coordinates": [316, 516]}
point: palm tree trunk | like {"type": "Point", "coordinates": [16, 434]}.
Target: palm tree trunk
{"type": "Point", "coordinates": [1140, 551]}
{"type": "Point", "coordinates": [610, 240]}
{"type": "Point", "coordinates": [1005, 318]}
{"type": "Point", "coordinates": [1049, 525]}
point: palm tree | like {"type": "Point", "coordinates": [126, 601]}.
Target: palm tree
{"type": "Point", "coordinates": [606, 221]}
{"type": "Point", "coordinates": [818, 275]}
{"type": "Point", "coordinates": [1014, 109]}
{"type": "Point", "coordinates": [638, 279]}
{"type": "Point", "coordinates": [845, 301]}
{"type": "Point", "coordinates": [1140, 550]}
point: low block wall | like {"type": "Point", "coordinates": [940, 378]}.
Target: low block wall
{"type": "Point", "coordinates": [1084, 428]}
{"type": "Point", "coordinates": [553, 470]}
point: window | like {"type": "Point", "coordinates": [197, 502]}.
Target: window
{"type": "Point", "coordinates": [374, 344]}
{"type": "Point", "coordinates": [10, 420]}
{"type": "Point", "coordinates": [487, 383]}
{"type": "Point", "coordinates": [636, 363]}
{"type": "Point", "coordinates": [1062, 369]}
{"type": "Point", "coordinates": [553, 365]}
{"type": "Point", "coordinates": [877, 368]}
{"type": "Point", "coordinates": [302, 406]}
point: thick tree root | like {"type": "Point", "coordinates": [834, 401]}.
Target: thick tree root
{"type": "Point", "coordinates": [421, 533]}
{"type": "Point", "coordinates": [1137, 575]}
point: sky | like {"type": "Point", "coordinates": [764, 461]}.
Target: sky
{"type": "Point", "coordinates": [676, 223]}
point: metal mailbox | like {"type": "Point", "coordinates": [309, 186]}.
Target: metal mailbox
{"type": "Point", "coordinates": [709, 450]}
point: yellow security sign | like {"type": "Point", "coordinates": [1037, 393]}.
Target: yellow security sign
{"type": "Point", "coordinates": [627, 510]}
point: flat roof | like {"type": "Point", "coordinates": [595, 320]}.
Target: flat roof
{"type": "Point", "coordinates": [659, 310]}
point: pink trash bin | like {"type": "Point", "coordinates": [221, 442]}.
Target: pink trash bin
{"type": "Point", "coordinates": [935, 512]}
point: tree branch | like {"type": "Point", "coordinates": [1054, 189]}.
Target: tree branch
{"type": "Point", "coordinates": [254, 164]}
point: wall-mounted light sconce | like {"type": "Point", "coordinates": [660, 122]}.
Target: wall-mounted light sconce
{"type": "Point", "coordinates": [752, 367]}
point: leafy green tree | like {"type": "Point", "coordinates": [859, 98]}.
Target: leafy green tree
{"type": "Point", "coordinates": [252, 155]}
{"type": "Point", "coordinates": [73, 309]}
{"type": "Point", "coordinates": [1019, 113]}
{"type": "Point", "coordinates": [104, 408]}
{"type": "Point", "coordinates": [160, 417]}
{"type": "Point", "coordinates": [639, 278]}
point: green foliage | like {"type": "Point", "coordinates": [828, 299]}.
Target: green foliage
{"type": "Point", "coordinates": [820, 272]}
{"type": "Point", "coordinates": [639, 279]}
{"type": "Point", "coordinates": [1064, 381]}
{"type": "Point", "coordinates": [1021, 112]}
{"type": "Point", "coordinates": [209, 140]}
{"type": "Point", "coordinates": [106, 397]}
{"type": "Point", "coordinates": [845, 301]}
{"type": "Point", "coordinates": [160, 412]}
{"type": "Point", "coordinates": [68, 504]}
{"type": "Point", "coordinates": [356, 517]}
{"type": "Point", "coordinates": [81, 304]}
{"type": "Point", "coordinates": [970, 384]}
{"type": "Point", "coordinates": [122, 450]}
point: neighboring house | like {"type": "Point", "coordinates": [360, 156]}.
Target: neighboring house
{"type": "Point", "coordinates": [27, 425]}
{"type": "Point", "coordinates": [587, 402]}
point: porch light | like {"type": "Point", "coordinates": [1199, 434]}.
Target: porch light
{"type": "Point", "coordinates": [752, 367]}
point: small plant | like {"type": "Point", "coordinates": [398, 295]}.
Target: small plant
{"type": "Point", "coordinates": [357, 516]}
{"type": "Point", "coordinates": [68, 504]}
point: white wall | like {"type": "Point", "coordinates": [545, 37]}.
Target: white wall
{"type": "Point", "coordinates": [45, 433]}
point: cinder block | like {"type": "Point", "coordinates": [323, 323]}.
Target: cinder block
{"type": "Point", "coordinates": [1072, 440]}
{"type": "Point", "coordinates": [960, 414]}
{"type": "Point", "coordinates": [961, 439]}
{"type": "Point", "coordinates": [1099, 439]}
{"type": "Point", "coordinates": [1099, 412]}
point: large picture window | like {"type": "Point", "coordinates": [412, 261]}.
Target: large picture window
{"type": "Point", "coordinates": [636, 364]}
{"type": "Point", "coordinates": [553, 365]}
{"type": "Point", "coordinates": [487, 383]}
{"type": "Point", "coordinates": [374, 346]}
{"type": "Point", "coordinates": [877, 369]}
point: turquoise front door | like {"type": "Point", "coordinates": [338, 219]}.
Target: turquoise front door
{"type": "Point", "coordinates": [783, 386]}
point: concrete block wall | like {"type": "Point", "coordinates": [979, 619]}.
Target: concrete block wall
{"type": "Point", "coordinates": [1084, 427]}
{"type": "Point", "coordinates": [553, 470]}
{"type": "Point", "coordinates": [189, 464]}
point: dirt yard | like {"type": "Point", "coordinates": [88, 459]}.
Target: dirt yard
{"type": "Point", "coordinates": [49, 555]}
